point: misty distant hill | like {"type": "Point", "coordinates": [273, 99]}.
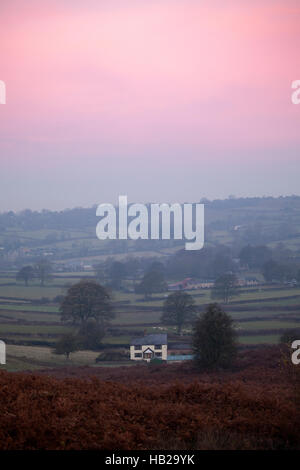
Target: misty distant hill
{"type": "Point", "coordinates": [70, 233]}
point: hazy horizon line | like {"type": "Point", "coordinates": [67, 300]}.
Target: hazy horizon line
{"type": "Point", "coordinates": [203, 200]}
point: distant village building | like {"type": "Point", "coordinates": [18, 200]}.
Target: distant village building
{"type": "Point", "coordinates": [149, 347]}
{"type": "Point", "coordinates": [190, 284]}
{"type": "Point", "coordinates": [87, 267]}
{"type": "Point", "coordinates": [247, 282]}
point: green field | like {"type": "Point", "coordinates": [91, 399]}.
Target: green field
{"type": "Point", "coordinates": [267, 325]}
{"type": "Point", "coordinates": [29, 357]}
{"type": "Point", "coordinates": [30, 324]}
{"type": "Point", "coordinates": [31, 292]}
{"type": "Point", "coordinates": [259, 339]}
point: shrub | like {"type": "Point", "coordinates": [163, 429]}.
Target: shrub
{"type": "Point", "coordinates": [113, 356]}
{"type": "Point", "coordinates": [214, 340]}
{"type": "Point", "coordinates": [289, 336]}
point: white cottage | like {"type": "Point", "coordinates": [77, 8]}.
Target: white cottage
{"type": "Point", "coordinates": [149, 347]}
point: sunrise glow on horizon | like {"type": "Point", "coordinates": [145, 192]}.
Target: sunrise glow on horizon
{"type": "Point", "coordinates": [105, 98]}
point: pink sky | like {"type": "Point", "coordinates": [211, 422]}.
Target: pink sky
{"type": "Point", "coordinates": [133, 85]}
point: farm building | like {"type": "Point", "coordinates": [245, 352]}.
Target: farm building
{"type": "Point", "coordinates": [149, 347]}
{"type": "Point", "coordinates": [190, 284]}
{"type": "Point", "coordinates": [247, 282]}
{"type": "Point", "coordinates": [178, 352]}
{"type": "Point", "coordinates": [180, 357]}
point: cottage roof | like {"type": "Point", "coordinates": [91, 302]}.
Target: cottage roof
{"type": "Point", "coordinates": [150, 339]}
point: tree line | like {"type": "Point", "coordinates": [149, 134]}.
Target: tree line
{"type": "Point", "coordinates": [41, 270]}
{"type": "Point", "coordinates": [88, 308]}
{"type": "Point", "coordinates": [149, 275]}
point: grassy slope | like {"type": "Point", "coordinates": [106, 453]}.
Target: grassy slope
{"type": "Point", "coordinates": [21, 321]}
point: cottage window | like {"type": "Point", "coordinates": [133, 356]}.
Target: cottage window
{"type": "Point", "coordinates": [158, 346]}
{"type": "Point", "coordinates": [138, 355]}
{"type": "Point", "coordinates": [138, 347]}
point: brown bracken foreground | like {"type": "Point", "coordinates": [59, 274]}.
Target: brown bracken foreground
{"type": "Point", "coordinates": [253, 406]}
